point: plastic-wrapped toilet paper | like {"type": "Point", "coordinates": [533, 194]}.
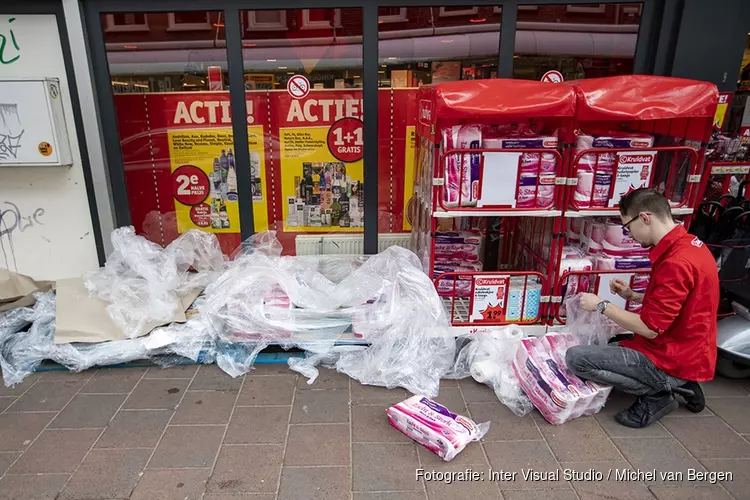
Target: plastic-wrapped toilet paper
{"type": "Point", "coordinates": [434, 426]}
{"type": "Point", "coordinates": [558, 394]}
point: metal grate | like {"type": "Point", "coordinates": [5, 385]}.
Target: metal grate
{"type": "Point", "coordinates": [345, 244]}
{"type": "Point", "coordinates": [460, 311]}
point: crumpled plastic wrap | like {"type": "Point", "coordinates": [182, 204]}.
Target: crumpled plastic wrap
{"type": "Point", "coordinates": [251, 301]}
{"type": "Point", "coordinates": [21, 352]}
{"type": "Point", "coordinates": [143, 281]}
{"type": "Point", "coordinates": [589, 327]}
{"type": "Point", "coordinates": [488, 359]}
{"type": "Point", "coordinates": [309, 302]}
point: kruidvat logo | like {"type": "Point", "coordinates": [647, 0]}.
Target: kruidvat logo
{"type": "Point", "coordinates": [639, 144]}
{"type": "Point", "coordinates": [490, 281]}
{"type": "Point", "coordinates": [549, 144]}
{"type": "Point", "coordinates": [631, 159]}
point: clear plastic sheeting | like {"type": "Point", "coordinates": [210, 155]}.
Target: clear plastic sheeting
{"type": "Point", "coordinates": [21, 352]}
{"type": "Point", "coordinates": [310, 302]}
{"type": "Point", "coordinates": [488, 359]}
{"type": "Point", "coordinates": [143, 282]}
{"type": "Point", "coordinates": [259, 298]}
{"type": "Point", "coordinates": [589, 327]}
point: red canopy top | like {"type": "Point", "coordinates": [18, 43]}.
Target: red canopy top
{"type": "Point", "coordinates": [641, 97]}
{"type": "Point", "coordinates": [477, 99]}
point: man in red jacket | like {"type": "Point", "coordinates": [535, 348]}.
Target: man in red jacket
{"type": "Point", "coordinates": [674, 342]}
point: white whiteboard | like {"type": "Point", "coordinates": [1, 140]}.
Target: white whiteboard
{"type": "Point", "coordinates": [30, 128]}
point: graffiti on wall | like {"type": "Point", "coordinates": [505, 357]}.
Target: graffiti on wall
{"type": "Point", "coordinates": [10, 52]}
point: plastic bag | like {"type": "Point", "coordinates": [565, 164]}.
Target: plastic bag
{"type": "Point", "coordinates": [488, 359]}
{"type": "Point", "coordinates": [143, 282]}
{"type": "Point", "coordinates": [589, 327]}
{"type": "Point", "coordinates": [21, 352]}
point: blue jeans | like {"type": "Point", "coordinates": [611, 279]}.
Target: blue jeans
{"type": "Point", "coordinates": [624, 369]}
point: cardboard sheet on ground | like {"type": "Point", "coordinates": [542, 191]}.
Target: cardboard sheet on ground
{"type": "Point", "coordinates": [81, 318]}
{"type": "Point", "coordinates": [16, 290]}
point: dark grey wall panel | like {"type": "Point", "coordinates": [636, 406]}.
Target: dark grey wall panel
{"type": "Point", "coordinates": [711, 41]}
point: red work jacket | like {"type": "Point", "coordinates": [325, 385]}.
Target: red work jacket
{"type": "Point", "coordinates": [680, 305]}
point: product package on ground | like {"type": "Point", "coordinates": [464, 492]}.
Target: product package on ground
{"type": "Point", "coordinates": [596, 172]}
{"type": "Point", "coordinates": [558, 394]}
{"type": "Point", "coordinates": [434, 426]}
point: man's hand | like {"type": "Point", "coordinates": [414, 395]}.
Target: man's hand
{"type": "Point", "coordinates": [621, 288]}
{"type": "Point", "coordinates": [589, 301]}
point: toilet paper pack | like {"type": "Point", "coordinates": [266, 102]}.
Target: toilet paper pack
{"type": "Point", "coordinates": [434, 426]}
{"type": "Point", "coordinates": [558, 394]}
{"type": "Point", "coordinates": [596, 171]}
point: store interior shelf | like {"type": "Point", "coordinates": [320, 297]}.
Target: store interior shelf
{"type": "Point", "coordinates": [614, 211]}
{"type": "Point", "coordinates": [447, 214]}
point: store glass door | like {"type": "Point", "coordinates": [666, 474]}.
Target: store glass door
{"type": "Point", "coordinates": [168, 74]}
{"type": "Point", "coordinates": [303, 81]}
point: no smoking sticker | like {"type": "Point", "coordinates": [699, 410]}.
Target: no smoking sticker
{"type": "Point", "coordinates": [298, 87]}
{"type": "Point", "coordinates": [552, 76]}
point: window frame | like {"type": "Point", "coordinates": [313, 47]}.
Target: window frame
{"type": "Point", "coordinates": [111, 27]}
{"type": "Point", "coordinates": [281, 25]}
{"type": "Point", "coordinates": [175, 26]}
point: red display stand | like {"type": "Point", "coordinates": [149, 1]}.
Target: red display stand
{"type": "Point", "coordinates": [468, 168]}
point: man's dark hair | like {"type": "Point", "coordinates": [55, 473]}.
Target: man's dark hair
{"type": "Point", "coordinates": [645, 200]}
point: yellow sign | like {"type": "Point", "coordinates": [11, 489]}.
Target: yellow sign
{"type": "Point", "coordinates": [320, 193]}
{"type": "Point", "coordinates": [411, 138]}
{"type": "Point", "coordinates": [204, 179]}
{"type": "Point", "coordinates": [721, 109]}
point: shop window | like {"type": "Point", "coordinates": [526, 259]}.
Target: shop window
{"type": "Point", "coordinates": [436, 45]}
{"type": "Point", "coordinates": [314, 19]}
{"type": "Point", "coordinates": [598, 8]}
{"type": "Point", "coordinates": [266, 20]}
{"type": "Point", "coordinates": [579, 41]}
{"type": "Point", "coordinates": [188, 21]}
{"type": "Point", "coordinates": [126, 21]}
{"type": "Point", "coordinates": [173, 114]}
{"type": "Point", "coordinates": [392, 15]}
{"type": "Point", "coordinates": [458, 11]}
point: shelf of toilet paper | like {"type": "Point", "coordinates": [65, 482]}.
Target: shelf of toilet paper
{"type": "Point", "coordinates": [610, 213]}
{"type": "Point", "coordinates": [449, 214]}
{"type": "Point", "coordinates": [605, 168]}
{"type": "Point", "coordinates": [572, 282]}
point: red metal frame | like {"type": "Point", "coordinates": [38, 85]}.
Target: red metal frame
{"type": "Point", "coordinates": [678, 111]}
{"type": "Point", "coordinates": [598, 152]}
{"type": "Point", "coordinates": [470, 276]}
{"type": "Point", "coordinates": [594, 285]}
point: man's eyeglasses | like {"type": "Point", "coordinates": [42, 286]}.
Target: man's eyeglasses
{"type": "Point", "coordinates": [625, 227]}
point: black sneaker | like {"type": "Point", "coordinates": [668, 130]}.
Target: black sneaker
{"type": "Point", "coordinates": [693, 395]}
{"type": "Point", "coordinates": [647, 409]}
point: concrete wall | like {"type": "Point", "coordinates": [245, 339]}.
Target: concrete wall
{"type": "Point", "coordinates": [45, 229]}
